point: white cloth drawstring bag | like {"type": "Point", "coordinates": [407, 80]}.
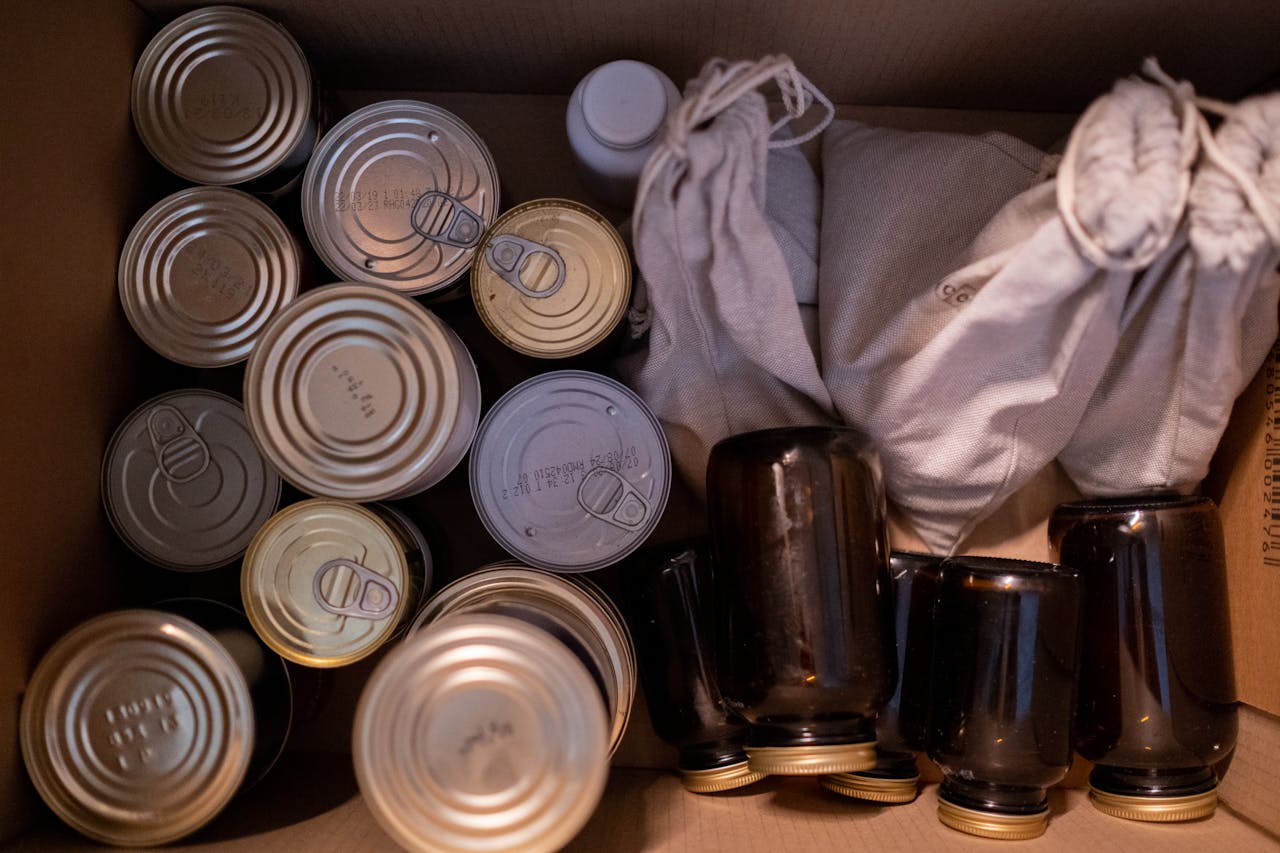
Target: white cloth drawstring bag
{"type": "Point", "coordinates": [723, 255]}
{"type": "Point", "coordinates": [969, 357]}
{"type": "Point", "coordinates": [1200, 321]}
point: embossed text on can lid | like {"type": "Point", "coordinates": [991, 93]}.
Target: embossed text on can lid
{"type": "Point", "coordinates": [203, 271]}
{"type": "Point", "coordinates": [576, 602]}
{"type": "Point", "coordinates": [137, 728]}
{"type": "Point", "coordinates": [357, 392]}
{"type": "Point", "coordinates": [326, 582]}
{"type": "Point", "coordinates": [183, 483]}
{"type": "Point", "coordinates": [480, 733]}
{"type": "Point", "coordinates": [570, 471]}
{"type": "Point", "coordinates": [551, 278]}
{"type": "Point", "coordinates": [399, 193]}
{"type": "Point", "coordinates": [222, 95]}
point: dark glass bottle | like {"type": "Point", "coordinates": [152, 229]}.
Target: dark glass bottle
{"type": "Point", "coordinates": [901, 727]}
{"type": "Point", "coordinates": [668, 607]}
{"type": "Point", "coordinates": [1157, 687]}
{"type": "Point", "coordinates": [1005, 665]}
{"type": "Point", "coordinates": [803, 603]}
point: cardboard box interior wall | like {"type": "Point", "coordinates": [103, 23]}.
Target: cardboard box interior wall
{"type": "Point", "coordinates": [75, 178]}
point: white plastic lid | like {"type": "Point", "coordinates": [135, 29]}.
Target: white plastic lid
{"type": "Point", "coordinates": [624, 103]}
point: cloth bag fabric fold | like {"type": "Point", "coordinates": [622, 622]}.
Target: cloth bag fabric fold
{"type": "Point", "coordinates": [725, 231]}
{"type": "Point", "coordinates": [969, 306]}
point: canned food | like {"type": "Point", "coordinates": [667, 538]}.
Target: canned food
{"type": "Point", "coordinates": [325, 582]}
{"type": "Point", "coordinates": [203, 271]}
{"type": "Point", "coordinates": [574, 610]}
{"type": "Point", "coordinates": [479, 733]}
{"type": "Point", "coordinates": [551, 278]}
{"type": "Point", "coordinates": [570, 471]}
{"type": "Point", "coordinates": [359, 393]}
{"type": "Point", "coordinates": [399, 193]}
{"type": "Point", "coordinates": [183, 483]}
{"type": "Point", "coordinates": [137, 728]}
{"type": "Point", "coordinates": [223, 95]}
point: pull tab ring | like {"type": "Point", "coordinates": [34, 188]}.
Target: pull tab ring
{"type": "Point", "coordinates": [374, 597]}
{"type": "Point", "coordinates": [181, 454]}
{"type": "Point", "coordinates": [506, 255]}
{"type": "Point", "coordinates": [442, 218]}
{"type": "Point", "coordinates": [605, 494]}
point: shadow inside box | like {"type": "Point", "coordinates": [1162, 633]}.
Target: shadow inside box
{"type": "Point", "coordinates": [302, 786]}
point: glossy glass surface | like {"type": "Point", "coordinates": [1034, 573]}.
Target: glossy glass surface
{"type": "Point", "coordinates": [1005, 666]}
{"type": "Point", "coordinates": [668, 608]}
{"type": "Point", "coordinates": [803, 602]}
{"type": "Point", "coordinates": [1157, 691]}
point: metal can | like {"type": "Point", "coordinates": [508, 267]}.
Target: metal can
{"type": "Point", "coordinates": [203, 271]}
{"type": "Point", "coordinates": [575, 610]}
{"type": "Point", "coordinates": [399, 193]}
{"type": "Point", "coordinates": [222, 96]}
{"type": "Point", "coordinates": [357, 392]}
{"type": "Point", "coordinates": [183, 483]}
{"type": "Point", "coordinates": [326, 583]}
{"type": "Point", "coordinates": [480, 733]}
{"type": "Point", "coordinates": [570, 471]}
{"type": "Point", "coordinates": [137, 727]}
{"type": "Point", "coordinates": [551, 279]}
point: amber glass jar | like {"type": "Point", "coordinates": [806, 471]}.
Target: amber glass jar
{"type": "Point", "coordinates": [803, 605]}
{"type": "Point", "coordinates": [668, 608]}
{"type": "Point", "coordinates": [1157, 691]}
{"type": "Point", "coordinates": [1005, 666]}
{"type": "Point", "coordinates": [901, 727]}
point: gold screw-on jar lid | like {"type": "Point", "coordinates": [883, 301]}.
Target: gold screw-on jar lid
{"type": "Point", "coordinates": [717, 779]}
{"type": "Point", "coordinates": [1155, 809]}
{"type": "Point", "coordinates": [812, 760]}
{"type": "Point", "coordinates": [1003, 827]}
{"type": "Point", "coordinates": [137, 728]}
{"type": "Point", "coordinates": [874, 788]}
{"type": "Point", "coordinates": [481, 733]}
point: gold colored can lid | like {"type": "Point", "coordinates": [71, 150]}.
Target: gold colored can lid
{"type": "Point", "coordinates": [326, 582]}
{"type": "Point", "coordinates": [718, 779]}
{"type": "Point", "coordinates": [1155, 809]}
{"type": "Point", "coordinates": [577, 603]}
{"type": "Point", "coordinates": [1003, 827]}
{"type": "Point", "coordinates": [481, 733]}
{"type": "Point", "coordinates": [812, 760]}
{"type": "Point", "coordinates": [877, 789]}
{"type": "Point", "coordinates": [137, 728]}
{"type": "Point", "coordinates": [551, 278]}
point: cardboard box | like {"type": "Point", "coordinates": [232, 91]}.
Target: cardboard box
{"type": "Point", "coordinates": [75, 178]}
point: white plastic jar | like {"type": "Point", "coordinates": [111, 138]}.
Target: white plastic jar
{"type": "Point", "coordinates": [613, 121]}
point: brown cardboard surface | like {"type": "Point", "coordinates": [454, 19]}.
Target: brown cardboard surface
{"type": "Point", "coordinates": [1245, 479]}
{"type": "Point", "coordinates": [1003, 54]}
{"type": "Point", "coordinates": [1251, 786]}
{"type": "Point", "coordinates": [312, 804]}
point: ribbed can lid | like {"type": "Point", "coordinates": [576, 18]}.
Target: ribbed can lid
{"type": "Point", "coordinates": [570, 471]}
{"type": "Point", "coordinates": [222, 95]}
{"type": "Point", "coordinates": [551, 279]}
{"type": "Point", "coordinates": [576, 602]}
{"type": "Point", "coordinates": [183, 483]}
{"type": "Point", "coordinates": [399, 193]}
{"type": "Point", "coordinates": [357, 392]}
{"type": "Point", "coordinates": [137, 728]}
{"type": "Point", "coordinates": [481, 733]}
{"type": "Point", "coordinates": [203, 271]}
{"type": "Point", "coordinates": [327, 582]}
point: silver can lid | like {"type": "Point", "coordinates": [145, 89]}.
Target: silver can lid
{"type": "Point", "coordinates": [137, 728]}
{"type": "Point", "coordinates": [203, 271]}
{"type": "Point", "coordinates": [183, 483]}
{"type": "Point", "coordinates": [222, 95]}
{"type": "Point", "coordinates": [357, 392]}
{"type": "Point", "coordinates": [570, 471]}
{"type": "Point", "coordinates": [399, 193]}
{"type": "Point", "coordinates": [576, 602]}
{"type": "Point", "coordinates": [481, 733]}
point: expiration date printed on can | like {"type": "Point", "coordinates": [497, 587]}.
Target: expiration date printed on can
{"type": "Point", "coordinates": [395, 198]}
{"type": "Point", "coordinates": [568, 474]}
{"type": "Point", "coordinates": [486, 734]}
